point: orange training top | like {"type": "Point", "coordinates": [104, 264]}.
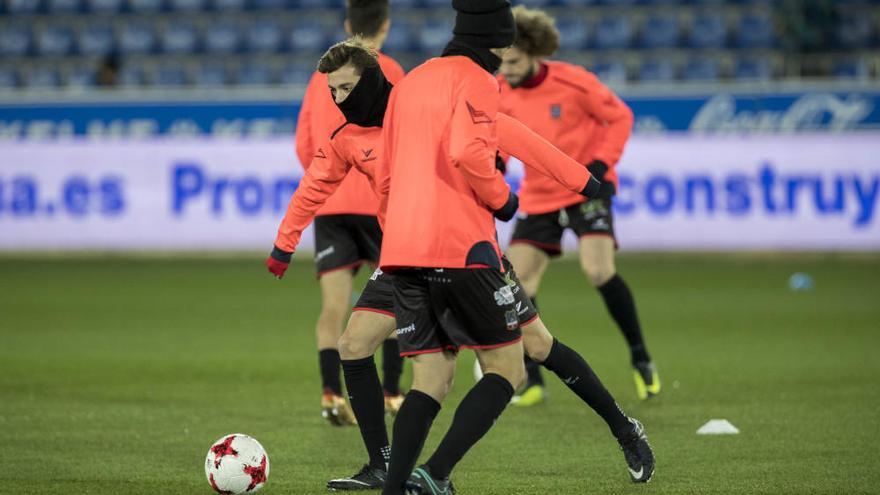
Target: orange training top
{"type": "Point", "coordinates": [361, 148]}
{"type": "Point", "coordinates": [319, 117]}
{"type": "Point", "coordinates": [572, 109]}
{"type": "Point", "coordinates": [439, 172]}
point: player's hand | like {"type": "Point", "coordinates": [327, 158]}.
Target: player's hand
{"type": "Point", "coordinates": [278, 261]}
{"type": "Point", "coordinates": [507, 211]}
{"type": "Point", "coordinates": [500, 164]}
{"type": "Point", "coordinates": [601, 189]}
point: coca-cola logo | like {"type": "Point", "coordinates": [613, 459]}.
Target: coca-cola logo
{"type": "Point", "coordinates": [809, 112]}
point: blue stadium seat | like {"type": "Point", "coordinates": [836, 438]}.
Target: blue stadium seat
{"type": "Point", "coordinates": [297, 73]}
{"type": "Point", "coordinates": [179, 37]}
{"type": "Point", "coordinates": [187, 5]}
{"type": "Point", "coordinates": [614, 32]}
{"type": "Point", "coordinates": [62, 6]}
{"type": "Point", "coordinates": [211, 75]}
{"type": "Point", "coordinates": [81, 77]}
{"type": "Point", "coordinates": [405, 4]}
{"type": "Point", "coordinates": [136, 38]}
{"type": "Point", "coordinates": [144, 6]}
{"type": "Point", "coordinates": [434, 35]}
{"type": "Point", "coordinates": [254, 73]}
{"type": "Point", "coordinates": [308, 37]}
{"type": "Point", "coordinates": [169, 76]}
{"type": "Point", "coordinates": [15, 41]}
{"type": "Point", "coordinates": [854, 31]}
{"type": "Point", "coordinates": [755, 31]}
{"type": "Point", "coordinates": [661, 31]}
{"type": "Point", "coordinates": [535, 3]}
{"type": "Point", "coordinates": [619, 2]}
{"type": "Point", "coordinates": [400, 37]}
{"type": "Point", "coordinates": [264, 37]}
{"type": "Point", "coordinates": [575, 3]}
{"type": "Point", "coordinates": [41, 77]}
{"type": "Point", "coordinates": [702, 69]}
{"type": "Point", "coordinates": [131, 75]}
{"type": "Point", "coordinates": [269, 4]}
{"type": "Point", "coordinates": [851, 68]}
{"type": "Point", "coordinates": [223, 37]}
{"type": "Point", "coordinates": [436, 4]}
{"type": "Point", "coordinates": [96, 40]}
{"type": "Point", "coordinates": [574, 33]}
{"type": "Point", "coordinates": [662, 2]}
{"type": "Point", "coordinates": [709, 30]}
{"type": "Point", "coordinates": [610, 72]}
{"type": "Point", "coordinates": [657, 70]}
{"type": "Point", "coordinates": [8, 77]}
{"type": "Point", "coordinates": [23, 6]}
{"type": "Point", "coordinates": [753, 69]}
{"type": "Point", "coordinates": [222, 5]}
{"type": "Point", "coordinates": [324, 4]}
{"type": "Point", "coordinates": [55, 40]}
{"type": "Point", "coordinates": [104, 6]}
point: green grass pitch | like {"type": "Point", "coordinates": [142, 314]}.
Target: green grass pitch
{"type": "Point", "coordinates": [117, 374]}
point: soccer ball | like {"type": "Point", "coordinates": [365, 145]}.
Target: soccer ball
{"type": "Point", "coordinates": [237, 464]}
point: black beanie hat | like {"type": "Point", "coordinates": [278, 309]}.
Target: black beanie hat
{"type": "Point", "coordinates": [484, 23]}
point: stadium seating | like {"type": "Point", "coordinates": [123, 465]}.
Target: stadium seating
{"type": "Point", "coordinates": [15, 41]}
{"type": "Point", "coordinates": [648, 40]}
{"type": "Point", "coordinates": [41, 77]}
{"type": "Point", "coordinates": [8, 78]}
{"type": "Point", "coordinates": [131, 75]}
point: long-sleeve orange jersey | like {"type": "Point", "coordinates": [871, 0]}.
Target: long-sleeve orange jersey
{"type": "Point", "coordinates": [440, 144]}
{"type": "Point", "coordinates": [361, 148]}
{"type": "Point", "coordinates": [572, 109]}
{"type": "Point", "coordinates": [319, 117]}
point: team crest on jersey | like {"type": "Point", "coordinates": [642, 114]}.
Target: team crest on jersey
{"type": "Point", "coordinates": [556, 110]}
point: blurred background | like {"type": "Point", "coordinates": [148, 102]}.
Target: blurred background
{"type": "Point", "coordinates": [168, 124]}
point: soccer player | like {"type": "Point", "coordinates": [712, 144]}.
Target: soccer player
{"type": "Point", "coordinates": [573, 110]}
{"type": "Point", "coordinates": [451, 290]}
{"type": "Point", "coordinates": [361, 93]}
{"type": "Point", "coordinates": [346, 231]}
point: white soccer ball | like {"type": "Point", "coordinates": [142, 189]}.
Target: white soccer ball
{"type": "Point", "coordinates": [237, 464]}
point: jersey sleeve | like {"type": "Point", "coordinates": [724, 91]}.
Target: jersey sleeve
{"type": "Point", "coordinates": [305, 140]}
{"type": "Point", "coordinates": [516, 139]}
{"type": "Point", "coordinates": [473, 142]}
{"type": "Point", "coordinates": [322, 178]}
{"type": "Point", "coordinates": [606, 107]}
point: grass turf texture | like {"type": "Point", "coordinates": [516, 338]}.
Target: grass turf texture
{"type": "Point", "coordinates": [116, 375]}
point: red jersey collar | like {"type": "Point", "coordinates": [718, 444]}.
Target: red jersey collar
{"type": "Point", "coordinates": [538, 78]}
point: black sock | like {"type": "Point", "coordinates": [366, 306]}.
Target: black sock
{"type": "Point", "coordinates": [475, 415]}
{"type": "Point", "coordinates": [392, 366]}
{"type": "Point", "coordinates": [620, 303]}
{"type": "Point", "coordinates": [411, 427]}
{"type": "Point", "coordinates": [365, 396]}
{"type": "Point", "coordinates": [533, 372]}
{"type": "Point", "coordinates": [329, 361]}
{"type": "Point", "coordinates": [572, 369]}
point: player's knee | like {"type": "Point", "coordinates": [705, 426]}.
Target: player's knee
{"type": "Point", "coordinates": [598, 275]}
{"type": "Point", "coordinates": [351, 347]}
{"type": "Point", "coordinates": [538, 345]}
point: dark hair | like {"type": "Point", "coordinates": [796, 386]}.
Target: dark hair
{"type": "Point", "coordinates": [352, 50]}
{"type": "Point", "coordinates": [536, 32]}
{"type": "Point", "coordinates": [366, 16]}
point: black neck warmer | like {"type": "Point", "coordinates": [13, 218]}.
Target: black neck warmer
{"type": "Point", "coordinates": [480, 55]}
{"type": "Point", "coordinates": [365, 105]}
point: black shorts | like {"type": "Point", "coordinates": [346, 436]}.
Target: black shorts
{"type": "Point", "coordinates": [346, 241]}
{"type": "Point", "coordinates": [544, 230]}
{"type": "Point", "coordinates": [378, 295]}
{"type": "Point", "coordinates": [458, 308]}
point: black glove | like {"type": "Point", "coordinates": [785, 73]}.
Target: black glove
{"type": "Point", "coordinates": [500, 164]}
{"type": "Point", "coordinates": [507, 211]}
{"type": "Point", "coordinates": [597, 187]}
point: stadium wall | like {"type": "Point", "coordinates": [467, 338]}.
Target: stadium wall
{"type": "Point", "coordinates": [773, 168]}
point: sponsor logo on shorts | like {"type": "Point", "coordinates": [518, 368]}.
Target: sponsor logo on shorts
{"type": "Point", "coordinates": [512, 319]}
{"type": "Point", "coordinates": [520, 308]}
{"type": "Point", "coordinates": [504, 296]}
{"type": "Point", "coordinates": [600, 224]}
{"type": "Point", "coordinates": [407, 329]}
{"type": "Point", "coordinates": [326, 252]}
{"type": "Point", "coordinates": [376, 274]}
